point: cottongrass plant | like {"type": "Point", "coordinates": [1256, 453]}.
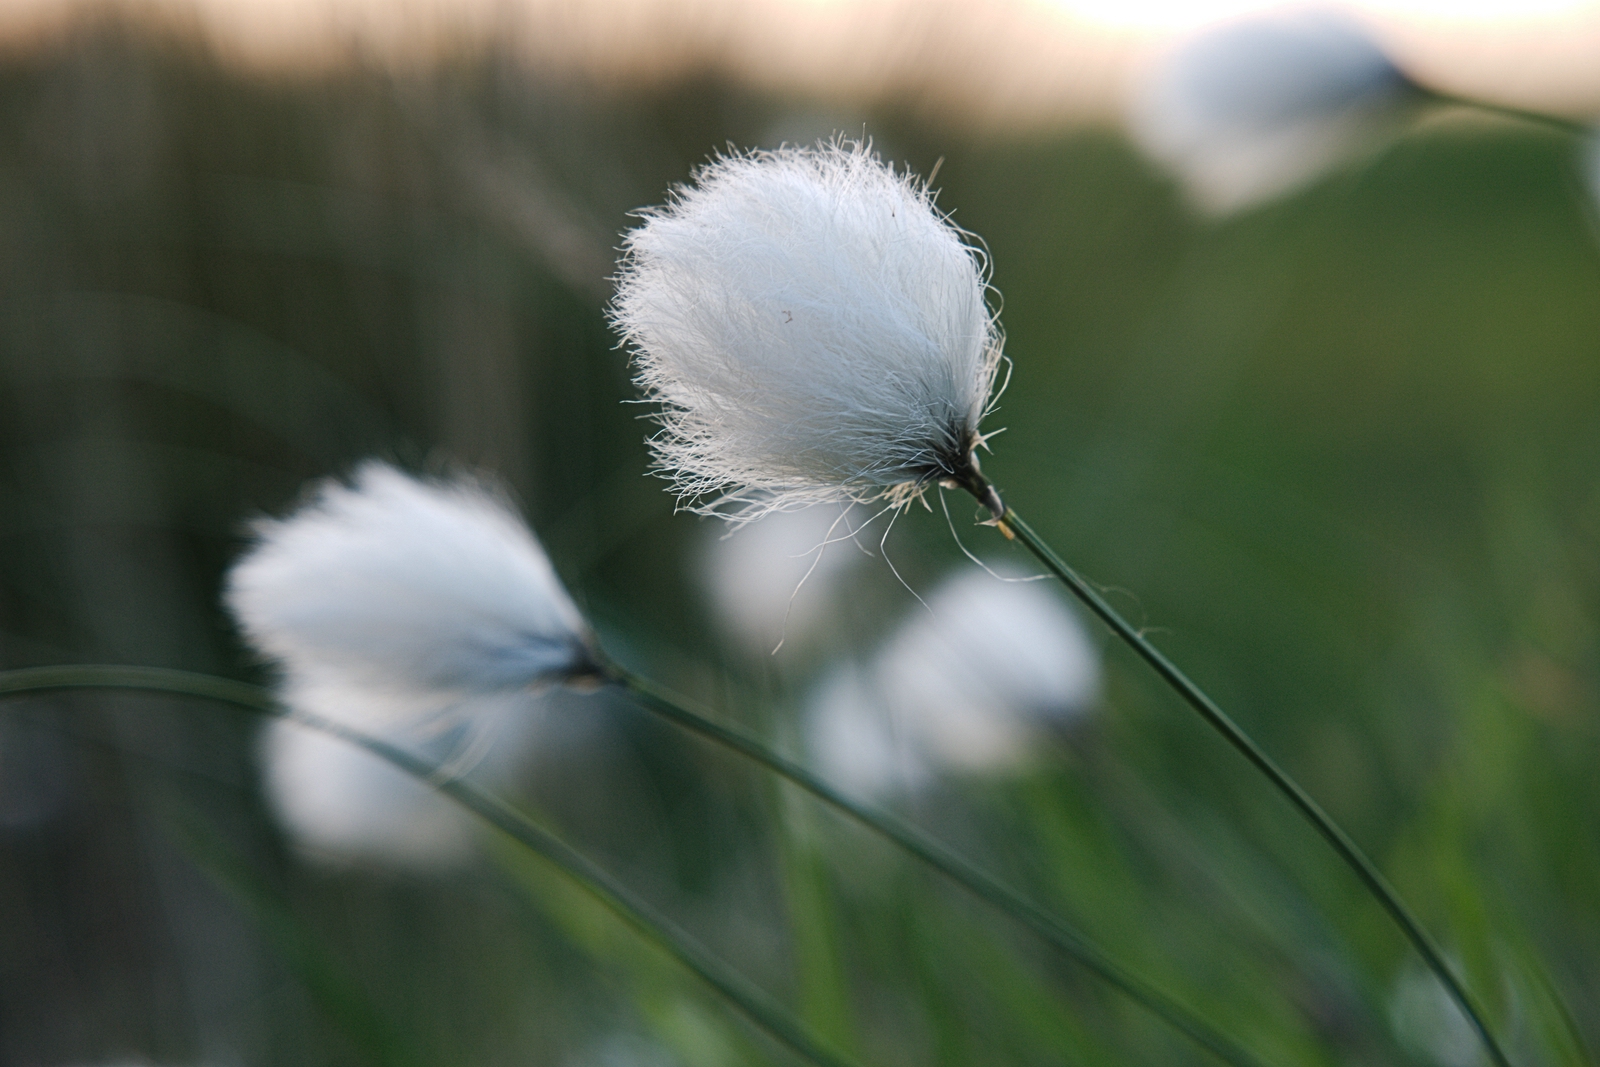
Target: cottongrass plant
{"type": "Point", "coordinates": [419, 591]}
{"type": "Point", "coordinates": [772, 392]}
{"type": "Point", "coordinates": [422, 611]}
{"type": "Point", "coordinates": [292, 592]}
{"type": "Point", "coordinates": [1255, 108]}
{"type": "Point", "coordinates": [437, 596]}
{"type": "Point", "coordinates": [750, 413]}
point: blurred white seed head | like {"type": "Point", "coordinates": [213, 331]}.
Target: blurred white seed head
{"type": "Point", "coordinates": [410, 587]}
{"type": "Point", "coordinates": [987, 664]}
{"type": "Point", "coordinates": [1255, 108]}
{"type": "Point", "coordinates": [969, 684]}
{"type": "Point", "coordinates": [342, 805]}
{"type": "Point", "coordinates": [776, 579]}
{"type": "Point", "coordinates": [854, 741]}
{"type": "Point", "coordinates": [812, 328]}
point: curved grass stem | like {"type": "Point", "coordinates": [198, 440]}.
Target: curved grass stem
{"type": "Point", "coordinates": [1208, 709]}
{"type": "Point", "coordinates": [677, 710]}
{"type": "Point", "coordinates": [986, 887]}
{"type": "Point", "coordinates": [646, 920]}
{"type": "Point", "coordinates": [1556, 123]}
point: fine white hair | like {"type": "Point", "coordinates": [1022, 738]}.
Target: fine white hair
{"type": "Point", "coordinates": [778, 580]}
{"type": "Point", "coordinates": [812, 328]}
{"type": "Point", "coordinates": [969, 684]}
{"type": "Point", "coordinates": [408, 587]}
{"type": "Point", "coordinates": [1253, 109]}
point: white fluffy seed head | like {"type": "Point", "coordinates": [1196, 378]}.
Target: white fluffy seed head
{"type": "Point", "coordinates": [341, 805]}
{"type": "Point", "coordinates": [1255, 108]}
{"type": "Point", "coordinates": [812, 328]}
{"type": "Point", "coordinates": [408, 587]}
{"type": "Point", "coordinates": [970, 684]}
{"type": "Point", "coordinates": [855, 743]}
{"type": "Point", "coordinates": [986, 666]}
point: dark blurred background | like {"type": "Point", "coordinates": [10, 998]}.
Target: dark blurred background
{"type": "Point", "coordinates": [1339, 452]}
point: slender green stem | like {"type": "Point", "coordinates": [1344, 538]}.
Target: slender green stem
{"type": "Point", "coordinates": [649, 922]}
{"type": "Point", "coordinates": [1534, 118]}
{"type": "Point", "coordinates": [678, 711]}
{"type": "Point", "coordinates": [1197, 699]}
{"type": "Point", "coordinates": [986, 887]}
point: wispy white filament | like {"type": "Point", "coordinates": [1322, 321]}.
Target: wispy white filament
{"type": "Point", "coordinates": [408, 586]}
{"type": "Point", "coordinates": [779, 579]}
{"type": "Point", "coordinates": [1252, 109]}
{"type": "Point", "coordinates": [812, 328]}
{"type": "Point", "coordinates": [970, 684]}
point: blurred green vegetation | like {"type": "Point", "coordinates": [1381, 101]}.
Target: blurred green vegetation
{"type": "Point", "coordinates": [1340, 454]}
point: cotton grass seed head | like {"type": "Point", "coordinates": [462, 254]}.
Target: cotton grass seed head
{"type": "Point", "coordinates": [987, 666]}
{"type": "Point", "coordinates": [418, 588]}
{"type": "Point", "coordinates": [340, 804]}
{"type": "Point", "coordinates": [813, 329]}
{"type": "Point", "coordinates": [857, 744]}
{"type": "Point", "coordinates": [1253, 109]}
{"type": "Point", "coordinates": [971, 684]}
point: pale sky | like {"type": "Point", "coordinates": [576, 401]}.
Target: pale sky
{"type": "Point", "coordinates": [1170, 15]}
{"type": "Point", "coordinates": [1006, 63]}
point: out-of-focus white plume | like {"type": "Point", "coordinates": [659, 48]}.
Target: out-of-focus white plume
{"type": "Point", "coordinates": [985, 665]}
{"type": "Point", "coordinates": [343, 805]}
{"type": "Point", "coordinates": [405, 585]}
{"type": "Point", "coordinates": [776, 579]}
{"type": "Point", "coordinates": [812, 328]}
{"type": "Point", "coordinates": [1255, 108]}
{"type": "Point", "coordinates": [425, 613]}
{"type": "Point", "coordinates": [856, 742]}
{"type": "Point", "coordinates": [970, 684]}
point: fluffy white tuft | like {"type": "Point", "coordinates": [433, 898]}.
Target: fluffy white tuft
{"type": "Point", "coordinates": [855, 743]}
{"type": "Point", "coordinates": [1253, 109]}
{"type": "Point", "coordinates": [408, 587]}
{"type": "Point", "coordinates": [985, 665]}
{"type": "Point", "coordinates": [340, 804]}
{"type": "Point", "coordinates": [969, 684]}
{"type": "Point", "coordinates": [812, 328]}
